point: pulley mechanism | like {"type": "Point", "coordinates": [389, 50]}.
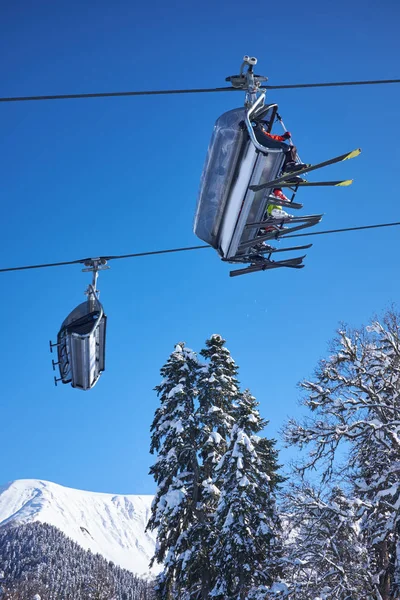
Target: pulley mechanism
{"type": "Point", "coordinates": [247, 80]}
{"type": "Point", "coordinates": [94, 265]}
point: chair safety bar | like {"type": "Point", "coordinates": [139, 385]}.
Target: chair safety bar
{"type": "Point", "coordinates": [250, 129]}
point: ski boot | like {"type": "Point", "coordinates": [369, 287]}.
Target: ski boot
{"type": "Point", "coordinates": [279, 195]}
{"type": "Point", "coordinates": [277, 214]}
{"type": "Point", "coordinates": [292, 167]}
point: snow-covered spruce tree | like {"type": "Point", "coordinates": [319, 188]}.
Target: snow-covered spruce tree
{"type": "Point", "coordinates": [186, 502]}
{"type": "Point", "coordinates": [218, 390]}
{"type": "Point", "coordinates": [246, 544]}
{"type": "Point", "coordinates": [176, 470]}
{"type": "Point", "coordinates": [355, 398]}
{"type": "Point", "coordinates": [325, 553]}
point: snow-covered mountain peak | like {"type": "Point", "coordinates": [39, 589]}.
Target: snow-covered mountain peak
{"type": "Point", "coordinates": [112, 525]}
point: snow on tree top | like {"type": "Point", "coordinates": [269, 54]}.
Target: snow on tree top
{"type": "Point", "coordinates": [175, 390]}
{"type": "Point", "coordinates": [210, 487]}
{"type": "Point", "coordinates": [172, 499]}
{"type": "Point", "coordinates": [213, 409]}
{"type": "Point", "coordinates": [242, 439]}
{"type": "Point", "coordinates": [375, 327]}
{"type": "Point", "coordinates": [215, 437]}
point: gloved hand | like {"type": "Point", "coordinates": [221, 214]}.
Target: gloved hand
{"type": "Point", "coordinates": [287, 135]}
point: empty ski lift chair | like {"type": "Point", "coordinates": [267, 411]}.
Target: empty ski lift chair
{"type": "Point", "coordinates": [81, 341]}
{"type": "Point", "coordinates": [229, 214]}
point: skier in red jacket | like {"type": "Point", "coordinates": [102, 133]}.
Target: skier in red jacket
{"type": "Point", "coordinates": [289, 166]}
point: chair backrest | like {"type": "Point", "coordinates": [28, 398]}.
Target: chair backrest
{"type": "Point", "coordinates": [81, 346]}
{"type": "Point", "coordinates": [224, 153]}
{"type": "Point", "coordinates": [235, 160]}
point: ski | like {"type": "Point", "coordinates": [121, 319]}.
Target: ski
{"type": "Point", "coordinates": [284, 178]}
{"type": "Point", "coordinates": [278, 233]}
{"type": "Point", "coordinates": [343, 183]}
{"type": "Point", "coordinates": [275, 222]}
{"type": "Point", "coordinates": [276, 202]}
{"type": "Point", "coordinates": [260, 250]}
{"type": "Point", "coordinates": [293, 263]}
{"type": "Point", "coordinates": [270, 249]}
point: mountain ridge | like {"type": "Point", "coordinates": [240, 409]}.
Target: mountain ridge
{"type": "Point", "coordinates": [112, 525]}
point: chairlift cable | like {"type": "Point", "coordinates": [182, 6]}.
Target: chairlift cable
{"type": "Point", "coordinates": [120, 94]}
{"type": "Point", "coordinates": [343, 230]}
{"type": "Point", "coordinates": [185, 249]}
{"type": "Point", "coordinates": [43, 266]}
{"type": "Point", "coordinates": [139, 254]}
{"type": "Point", "coordinates": [193, 91]}
{"type": "Point", "coordinates": [84, 260]}
{"type": "Point", "coordinates": [330, 84]}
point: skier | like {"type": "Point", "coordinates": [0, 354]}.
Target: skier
{"type": "Point", "coordinates": [290, 165]}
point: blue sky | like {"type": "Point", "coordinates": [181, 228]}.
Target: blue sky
{"type": "Point", "coordinates": [114, 176]}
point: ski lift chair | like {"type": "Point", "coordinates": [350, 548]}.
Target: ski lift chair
{"type": "Point", "coordinates": [81, 341]}
{"type": "Point", "coordinates": [81, 345]}
{"type": "Point", "coordinates": [236, 160]}
{"type": "Point", "coordinates": [234, 192]}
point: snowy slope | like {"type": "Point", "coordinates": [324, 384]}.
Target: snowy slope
{"type": "Point", "coordinates": [108, 524]}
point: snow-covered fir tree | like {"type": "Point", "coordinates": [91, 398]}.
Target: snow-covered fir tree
{"type": "Point", "coordinates": [176, 470]}
{"type": "Point", "coordinates": [218, 393]}
{"type": "Point", "coordinates": [247, 533]}
{"type": "Point", "coordinates": [355, 400]}
{"type": "Point", "coordinates": [213, 417]}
